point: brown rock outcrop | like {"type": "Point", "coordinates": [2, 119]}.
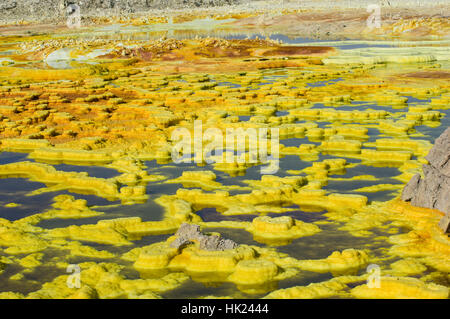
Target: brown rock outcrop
{"type": "Point", "coordinates": [433, 190]}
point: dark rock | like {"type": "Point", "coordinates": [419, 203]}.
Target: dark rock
{"type": "Point", "coordinates": [209, 242]}
{"type": "Point", "coordinates": [189, 232]}
{"type": "Point", "coordinates": [439, 155]}
{"type": "Point", "coordinates": [411, 188]}
{"type": "Point", "coordinates": [225, 244]}
{"type": "Point", "coordinates": [444, 223]}
{"type": "Point", "coordinates": [433, 189]}
{"type": "Point", "coordinates": [7, 5]}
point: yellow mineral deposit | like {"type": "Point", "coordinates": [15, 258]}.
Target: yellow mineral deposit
{"type": "Point", "coordinates": [401, 288]}
{"type": "Point", "coordinates": [12, 205]}
{"type": "Point", "coordinates": [250, 268]}
{"type": "Point", "coordinates": [65, 206]}
{"type": "Point", "coordinates": [312, 291]}
{"type": "Point", "coordinates": [86, 171]}
{"type": "Point", "coordinates": [347, 262]}
{"type": "Point", "coordinates": [280, 229]}
{"type": "Point", "coordinates": [205, 180]}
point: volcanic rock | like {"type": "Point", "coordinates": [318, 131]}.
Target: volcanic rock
{"type": "Point", "coordinates": [433, 189]}
{"type": "Point", "coordinates": [189, 232]}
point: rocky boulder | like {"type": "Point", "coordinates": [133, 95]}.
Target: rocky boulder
{"type": "Point", "coordinates": [189, 232]}
{"type": "Point", "coordinates": [433, 189]}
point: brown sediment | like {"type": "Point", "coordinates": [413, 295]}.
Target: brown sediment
{"type": "Point", "coordinates": [299, 50]}
{"type": "Point", "coordinates": [428, 74]}
{"type": "Point", "coordinates": [337, 23]}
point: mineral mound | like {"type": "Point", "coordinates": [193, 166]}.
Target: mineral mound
{"type": "Point", "coordinates": [433, 190]}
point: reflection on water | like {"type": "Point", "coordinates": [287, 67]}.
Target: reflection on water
{"type": "Point", "coordinates": [11, 157]}
{"type": "Point", "coordinates": [94, 171]}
